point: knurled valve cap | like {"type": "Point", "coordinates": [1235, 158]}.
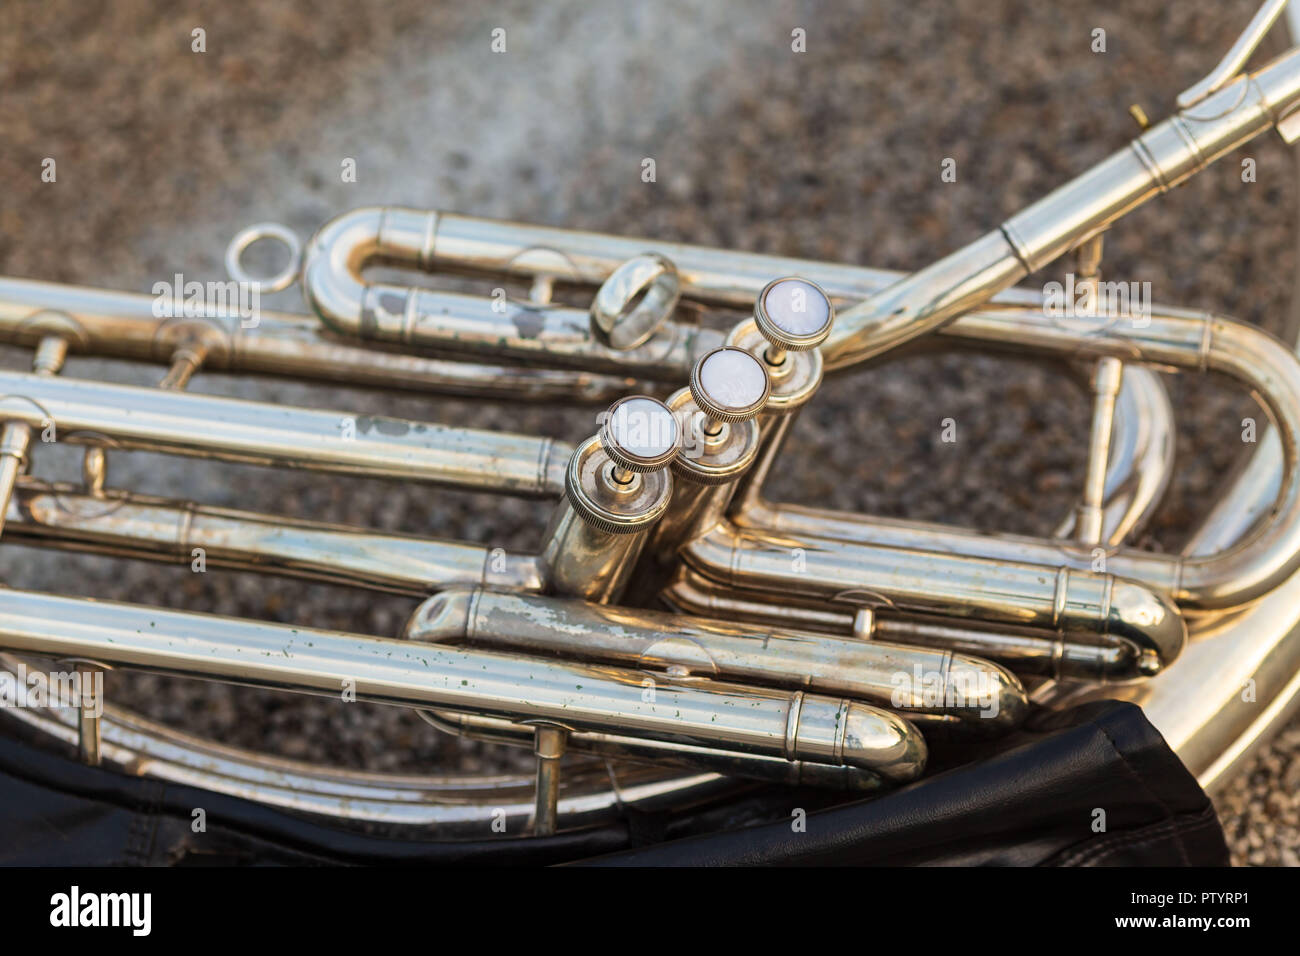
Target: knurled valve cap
{"type": "Point", "coordinates": [617, 480]}
{"type": "Point", "coordinates": [640, 434]}
{"type": "Point", "coordinates": [730, 385]}
{"type": "Point", "coordinates": [794, 315]}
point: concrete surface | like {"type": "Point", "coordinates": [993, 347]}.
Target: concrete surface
{"type": "Point", "coordinates": [164, 153]}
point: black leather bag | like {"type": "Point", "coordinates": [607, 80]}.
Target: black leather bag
{"type": "Point", "coordinates": [1032, 799]}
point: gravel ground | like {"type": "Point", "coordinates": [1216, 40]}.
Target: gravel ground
{"type": "Point", "coordinates": [163, 153]}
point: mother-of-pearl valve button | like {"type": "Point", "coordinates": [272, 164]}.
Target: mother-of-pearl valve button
{"type": "Point", "coordinates": [730, 385]}
{"type": "Point", "coordinates": [794, 315]}
{"type": "Point", "coordinates": [640, 434]}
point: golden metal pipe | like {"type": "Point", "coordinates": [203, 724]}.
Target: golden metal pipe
{"type": "Point", "coordinates": [550, 743]}
{"type": "Point", "coordinates": [940, 596]}
{"type": "Point", "coordinates": [1141, 460]}
{"type": "Point", "coordinates": [1163, 157]}
{"type": "Point", "coordinates": [1238, 682]}
{"type": "Point", "coordinates": [1106, 384]}
{"type": "Point", "coordinates": [617, 486]}
{"type": "Point", "coordinates": [1032, 651]}
{"type": "Point", "coordinates": [1237, 55]}
{"type": "Point", "coordinates": [185, 363]}
{"type": "Point", "coordinates": [455, 806]}
{"type": "Point", "coordinates": [14, 442]}
{"type": "Point", "coordinates": [996, 592]}
{"type": "Point", "coordinates": [908, 679]}
{"type": "Point", "coordinates": [16, 437]}
{"type": "Point", "coordinates": [1222, 580]}
{"type": "Point", "coordinates": [408, 315]}
{"type": "Point", "coordinates": [89, 706]}
{"type": "Point", "coordinates": [309, 660]}
{"type": "Point", "coordinates": [136, 526]}
{"type": "Point", "coordinates": [791, 773]}
{"type": "Point", "coordinates": [337, 442]}
{"type": "Point", "coordinates": [124, 325]}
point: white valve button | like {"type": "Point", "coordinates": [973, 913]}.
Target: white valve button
{"type": "Point", "coordinates": [640, 433]}
{"type": "Point", "coordinates": [730, 385]}
{"type": "Point", "coordinates": [794, 314]}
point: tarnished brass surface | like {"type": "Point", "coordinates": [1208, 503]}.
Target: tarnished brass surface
{"type": "Point", "coordinates": [675, 634]}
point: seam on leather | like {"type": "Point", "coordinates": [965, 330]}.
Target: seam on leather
{"type": "Point", "coordinates": [1097, 850]}
{"type": "Point", "coordinates": [1180, 831]}
{"type": "Point", "coordinates": [1141, 781]}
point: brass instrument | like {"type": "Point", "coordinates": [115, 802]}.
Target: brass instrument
{"type": "Point", "coordinates": [689, 633]}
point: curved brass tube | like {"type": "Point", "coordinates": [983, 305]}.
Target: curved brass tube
{"type": "Point", "coordinates": [473, 245]}
{"type": "Point", "coordinates": [123, 325]}
{"type": "Point", "coordinates": [456, 807]}
{"type": "Point", "coordinates": [1029, 651]}
{"type": "Point", "coordinates": [336, 290]}
{"type": "Point", "coordinates": [1239, 680]}
{"type": "Point", "coordinates": [1141, 460]}
{"type": "Point", "coordinates": [1139, 469]}
{"type": "Point", "coordinates": [904, 581]}
{"type": "Point", "coordinates": [882, 318]}
{"type": "Point", "coordinates": [1222, 580]}
{"type": "Point", "coordinates": [908, 679]}
{"type": "Point", "coordinates": [924, 604]}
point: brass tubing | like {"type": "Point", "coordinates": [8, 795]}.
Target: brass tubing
{"type": "Point", "coordinates": [894, 312]}
{"type": "Point", "coordinates": [1022, 601]}
{"type": "Point", "coordinates": [477, 246]}
{"type": "Point", "coordinates": [1222, 580]}
{"type": "Point", "coordinates": [797, 522]}
{"type": "Point", "coordinates": [456, 806]}
{"type": "Point", "coordinates": [89, 707]}
{"type": "Point", "coordinates": [1245, 499]}
{"type": "Point", "coordinates": [617, 486]}
{"type": "Point", "coordinates": [1238, 682]}
{"type": "Point", "coordinates": [1042, 654]}
{"type": "Point", "coordinates": [185, 363]}
{"type": "Point", "coordinates": [908, 581]}
{"type": "Point", "coordinates": [881, 673]}
{"type": "Point", "coordinates": [747, 501]}
{"type": "Point", "coordinates": [794, 382]}
{"type": "Point", "coordinates": [336, 442]}
{"type": "Point", "coordinates": [1140, 466]}
{"type": "Point", "coordinates": [1023, 650]}
{"type": "Point", "coordinates": [408, 315]}
{"type": "Point", "coordinates": [690, 592]}
{"type": "Point", "coordinates": [1141, 460]}
{"type": "Point", "coordinates": [1164, 156]}
{"type": "Point", "coordinates": [16, 437]}
{"type": "Point", "coordinates": [745, 720]}
{"type": "Point", "coordinates": [791, 773]}
{"type": "Point", "coordinates": [694, 506]}
{"type": "Point", "coordinates": [549, 744]}
{"type": "Point", "coordinates": [128, 525]}
{"type": "Point", "coordinates": [584, 561]}
{"type": "Point", "coordinates": [14, 442]}
{"type": "Point", "coordinates": [124, 325]}
{"type": "Point", "coordinates": [1106, 384]}
{"type": "Point", "coordinates": [722, 437]}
